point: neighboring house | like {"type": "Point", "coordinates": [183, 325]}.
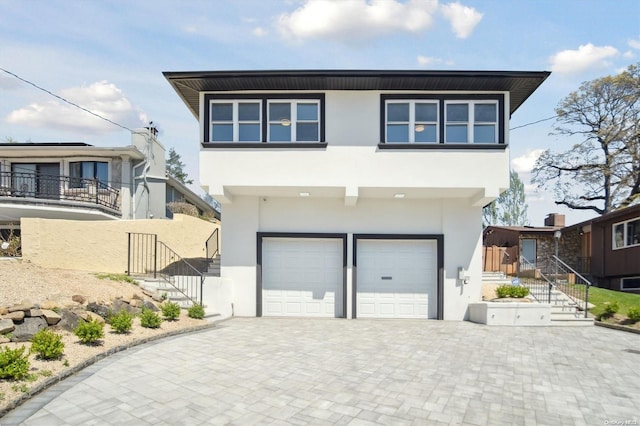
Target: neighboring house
{"type": "Point", "coordinates": [353, 193]}
{"type": "Point", "coordinates": [610, 249]}
{"type": "Point", "coordinates": [527, 245]}
{"type": "Point", "coordinates": [82, 182]}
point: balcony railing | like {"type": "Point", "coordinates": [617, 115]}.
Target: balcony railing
{"type": "Point", "coordinates": [62, 188]}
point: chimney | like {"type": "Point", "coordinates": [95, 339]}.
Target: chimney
{"type": "Point", "coordinates": [554, 219]}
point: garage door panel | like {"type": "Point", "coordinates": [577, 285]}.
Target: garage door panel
{"type": "Point", "coordinates": [302, 277]}
{"type": "Point", "coordinates": [396, 279]}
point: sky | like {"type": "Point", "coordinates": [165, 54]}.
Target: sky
{"type": "Point", "coordinates": [108, 57]}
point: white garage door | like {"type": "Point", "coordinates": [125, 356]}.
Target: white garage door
{"type": "Point", "coordinates": [302, 277]}
{"type": "Point", "coordinates": [396, 279]}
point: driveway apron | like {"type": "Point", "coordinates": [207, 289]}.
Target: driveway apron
{"type": "Point", "coordinates": [355, 372]}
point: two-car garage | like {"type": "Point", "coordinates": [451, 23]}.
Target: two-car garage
{"type": "Point", "coordinates": [304, 275]}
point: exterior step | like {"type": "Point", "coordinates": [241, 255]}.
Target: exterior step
{"type": "Point", "coordinates": [572, 322]}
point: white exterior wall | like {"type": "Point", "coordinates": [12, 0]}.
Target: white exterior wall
{"type": "Point", "coordinates": [352, 185]}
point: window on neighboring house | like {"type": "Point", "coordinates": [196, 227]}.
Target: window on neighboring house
{"type": "Point", "coordinates": [630, 283]}
{"type": "Point", "coordinates": [274, 118]}
{"type": "Point", "coordinates": [82, 171]}
{"type": "Point", "coordinates": [293, 121]}
{"type": "Point", "coordinates": [471, 122]}
{"type": "Point", "coordinates": [412, 122]}
{"type": "Point", "coordinates": [626, 234]}
{"type": "Point", "coordinates": [233, 121]}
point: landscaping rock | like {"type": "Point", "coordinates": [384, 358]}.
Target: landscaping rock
{"type": "Point", "coordinates": [48, 304]}
{"type": "Point", "coordinates": [4, 339]}
{"type": "Point", "coordinates": [119, 305]}
{"type": "Point", "coordinates": [150, 305]}
{"type": "Point", "coordinates": [69, 321]}
{"type": "Point", "coordinates": [4, 310]}
{"type": "Point", "coordinates": [51, 317]}
{"type": "Point", "coordinates": [21, 307]}
{"type": "Point", "coordinates": [136, 303]}
{"type": "Point", "coordinates": [25, 331]}
{"type": "Point", "coordinates": [87, 316]}
{"type": "Point", "coordinates": [102, 310]}
{"type": "Point", "coordinates": [136, 296]}
{"type": "Point", "coordinates": [15, 316]}
{"type": "Point", "coordinates": [6, 326]}
{"type": "Point", "coordinates": [34, 313]}
{"type": "Point", "coordinates": [78, 298]}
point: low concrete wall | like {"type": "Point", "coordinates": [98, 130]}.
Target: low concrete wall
{"type": "Point", "coordinates": [521, 314]}
{"type": "Point", "coordinates": [101, 246]}
{"type": "Point", "coordinates": [217, 297]}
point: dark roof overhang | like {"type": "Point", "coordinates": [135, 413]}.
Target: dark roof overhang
{"type": "Point", "coordinates": [520, 84]}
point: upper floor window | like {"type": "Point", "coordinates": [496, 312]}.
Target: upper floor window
{"type": "Point", "coordinates": [273, 118]}
{"type": "Point", "coordinates": [412, 121]}
{"type": "Point", "coordinates": [626, 234]}
{"type": "Point", "coordinates": [471, 122]}
{"type": "Point", "coordinates": [442, 119]}
{"type": "Point", "coordinates": [88, 170]}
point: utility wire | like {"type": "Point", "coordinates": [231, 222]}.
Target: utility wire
{"type": "Point", "coordinates": [65, 100]}
{"type": "Point", "coordinates": [533, 122]}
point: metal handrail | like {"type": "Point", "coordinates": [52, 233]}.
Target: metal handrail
{"type": "Point", "coordinates": [529, 266]}
{"type": "Point", "coordinates": [579, 297]}
{"type": "Point", "coordinates": [58, 187]}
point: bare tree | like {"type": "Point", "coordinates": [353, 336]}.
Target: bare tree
{"type": "Point", "coordinates": [602, 172]}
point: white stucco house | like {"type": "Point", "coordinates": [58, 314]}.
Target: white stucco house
{"type": "Point", "coordinates": [353, 194]}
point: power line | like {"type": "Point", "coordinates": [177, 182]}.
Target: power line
{"type": "Point", "coordinates": [65, 100]}
{"type": "Point", "coordinates": [533, 122]}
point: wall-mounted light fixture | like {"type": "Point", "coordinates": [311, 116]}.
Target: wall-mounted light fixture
{"type": "Point", "coordinates": [285, 122]}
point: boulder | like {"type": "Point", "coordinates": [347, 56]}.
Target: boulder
{"type": "Point", "coordinates": [119, 305]}
{"type": "Point", "coordinates": [69, 321]}
{"type": "Point", "coordinates": [78, 298]}
{"type": "Point", "coordinates": [89, 316]}
{"type": "Point", "coordinates": [102, 310]}
{"type": "Point", "coordinates": [136, 303]}
{"type": "Point", "coordinates": [21, 307]}
{"type": "Point", "coordinates": [150, 305]}
{"type": "Point", "coordinates": [6, 326]}
{"type": "Point", "coordinates": [4, 310]}
{"type": "Point", "coordinates": [136, 296]}
{"type": "Point", "coordinates": [48, 304]}
{"type": "Point", "coordinates": [51, 317]}
{"type": "Point", "coordinates": [34, 313]}
{"type": "Point", "coordinates": [14, 316]}
{"type": "Point", "coordinates": [26, 330]}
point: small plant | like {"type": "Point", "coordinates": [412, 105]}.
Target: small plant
{"type": "Point", "coordinates": [149, 319]}
{"type": "Point", "coordinates": [90, 331]}
{"type": "Point", "coordinates": [121, 322]}
{"type": "Point", "coordinates": [633, 314]}
{"type": "Point", "coordinates": [517, 292]}
{"type": "Point", "coordinates": [32, 377]}
{"type": "Point", "coordinates": [164, 296]}
{"type": "Point", "coordinates": [117, 277]}
{"type": "Point", "coordinates": [610, 309]}
{"type": "Point", "coordinates": [47, 344]}
{"type": "Point", "coordinates": [196, 311]}
{"type": "Point", "coordinates": [20, 388]}
{"type": "Point", "coordinates": [170, 310]}
{"type": "Point", "coordinates": [46, 373]}
{"type": "Point", "coordinates": [65, 363]}
{"type": "Point", "coordinates": [14, 363]}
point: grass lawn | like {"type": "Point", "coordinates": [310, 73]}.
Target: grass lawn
{"type": "Point", "coordinates": [600, 296]}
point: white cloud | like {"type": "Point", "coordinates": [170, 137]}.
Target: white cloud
{"type": "Point", "coordinates": [628, 54]}
{"type": "Point", "coordinates": [585, 57]}
{"type": "Point", "coordinates": [634, 44]}
{"type": "Point", "coordinates": [463, 19]}
{"type": "Point", "coordinates": [356, 20]}
{"type": "Point", "coordinates": [431, 61]}
{"type": "Point", "coordinates": [525, 163]}
{"type": "Point", "coordinates": [102, 98]}
{"type": "Point", "coordinates": [259, 32]}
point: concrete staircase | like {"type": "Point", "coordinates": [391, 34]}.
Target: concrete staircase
{"type": "Point", "coordinates": [213, 268]}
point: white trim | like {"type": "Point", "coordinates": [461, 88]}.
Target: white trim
{"type": "Point", "coordinates": [622, 280]}
{"type": "Point", "coordinates": [412, 123]}
{"type": "Point", "coordinates": [625, 235]}
{"type": "Point", "coordinates": [235, 118]}
{"type": "Point", "coordinates": [471, 122]}
{"type": "Point", "coordinates": [294, 117]}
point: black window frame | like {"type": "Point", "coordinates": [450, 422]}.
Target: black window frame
{"type": "Point", "coordinates": [77, 181]}
{"type": "Point", "coordinates": [264, 98]}
{"type": "Point", "coordinates": [441, 99]}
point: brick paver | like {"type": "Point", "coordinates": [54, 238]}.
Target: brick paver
{"type": "Point", "coordinates": [356, 372]}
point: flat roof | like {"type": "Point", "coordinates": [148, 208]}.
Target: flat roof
{"type": "Point", "coordinates": [520, 84]}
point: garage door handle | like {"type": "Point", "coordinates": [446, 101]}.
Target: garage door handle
{"type": "Point", "coordinates": [386, 278]}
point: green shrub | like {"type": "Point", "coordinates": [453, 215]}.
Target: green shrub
{"type": "Point", "coordinates": [634, 314]}
{"type": "Point", "coordinates": [610, 309]}
{"type": "Point", "coordinates": [512, 291]}
{"type": "Point", "coordinates": [170, 310]}
{"type": "Point", "coordinates": [149, 319]}
{"type": "Point", "coordinates": [89, 331]}
{"type": "Point", "coordinates": [196, 311]}
{"type": "Point", "coordinates": [14, 364]}
{"type": "Point", "coordinates": [121, 322]}
{"type": "Point", "coordinates": [47, 344]}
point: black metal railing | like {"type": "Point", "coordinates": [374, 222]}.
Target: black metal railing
{"type": "Point", "coordinates": [553, 275]}
{"type": "Point", "coordinates": [213, 245]}
{"type": "Point", "coordinates": [149, 256]}
{"type": "Point", "coordinates": [56, 187]}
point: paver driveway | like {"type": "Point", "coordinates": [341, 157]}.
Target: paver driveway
{"type": "Point", "coordinates": [356, 372]}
